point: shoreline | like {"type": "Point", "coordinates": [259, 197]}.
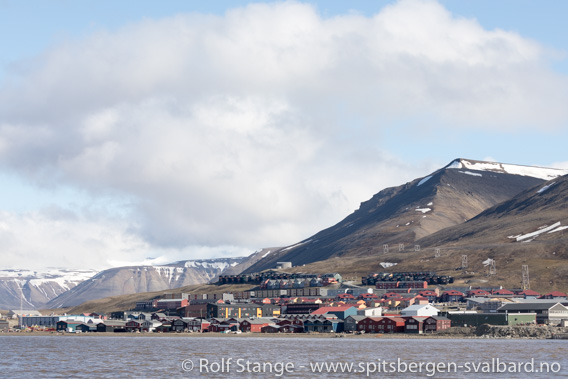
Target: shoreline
{"type": "Point", "coordinates": [265, 335]}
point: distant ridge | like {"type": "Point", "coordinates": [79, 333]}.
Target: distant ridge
{"type": "Point", "coordinates": [135, 279]}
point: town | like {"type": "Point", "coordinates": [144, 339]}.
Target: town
{"type": "Point", "coordinates": [384, 303]}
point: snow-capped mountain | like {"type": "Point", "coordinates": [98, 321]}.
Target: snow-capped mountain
{"type": "Point", "coordinates": [134, 279]}
{"type": "Point", "coordinates": [33, 289]}
{"type": "Point", "coordinates": [400, 216]}
{"type": "Point", "coordinates": [543, 173]}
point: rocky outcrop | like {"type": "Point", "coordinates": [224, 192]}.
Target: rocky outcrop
{"type": "Point", "coordinates": [528, 331]}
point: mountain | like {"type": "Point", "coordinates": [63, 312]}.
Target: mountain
{"type": "Point", "coordinates": [135, 279]}
{"type": "Point", "coordinates": [34, 289]}
{"type": "Point", "coordinates": [539, 214]}
{"type": "Point", "coordinates": [408, 213]}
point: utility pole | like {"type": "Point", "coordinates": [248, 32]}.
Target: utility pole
{"type": "Point", "coordinates": [492, 268]}
{"type": "Point", "coordinates": [464, 262]}
{"type": "Point", "coordinates": [526, 284]}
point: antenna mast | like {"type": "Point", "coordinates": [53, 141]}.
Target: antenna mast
{"type": "Point", "coordinates": [526, 284]}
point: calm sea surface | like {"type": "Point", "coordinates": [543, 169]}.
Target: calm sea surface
{"type": "Point", "coordinates": [266, 357]}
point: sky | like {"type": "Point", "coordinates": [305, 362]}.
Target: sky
{"type": "Point", "coordinates": [142, 132]}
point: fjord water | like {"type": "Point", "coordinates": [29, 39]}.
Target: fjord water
{"type": "Point", "coordinates": [166, 357]}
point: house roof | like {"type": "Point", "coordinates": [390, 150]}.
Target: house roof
{"type": "Point", "coordinates": [357, 317]}
{"type": "Point", "coordinates": [503, 292]}
{"type": "Point", "coordinates": [556, 294]}
{"type": "Point", "coordinates": [114, 323]}
{"type": "Point", "coordinates": [527, 306]}
{"type": "Point", "coordinates": [528, 293]}
{"type": "Point", "coordinates": [416, 307]}
{"type": "Point", "coordinates": [428, 292]}
{"type": "Point", "coordinates": [439, 318]}
{"type": "Point", "coordinates": [417, 318]}
{"type": "Point", "coordinates": [453, 293]}
{"type": "Point", "coordinates": [374, 318]}
{"type": "Point", "coordinates": [258, 321]}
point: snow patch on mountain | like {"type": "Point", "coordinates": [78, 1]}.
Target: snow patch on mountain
{"type": "Point", "coordinates": [541, 230]}
{"type": "Point", "coordinates": [533, 171]}
{"type": "Point", "coordinates": [296, 245]}
{"type": "Point", "coordinates": [424, 180]}
{"type": "Point", "coordinates": [423, 210]}
{"type": "Point", "coordinates": [546, 187]}
{"type": "Point", "coordinates": [388, 264]}
{"type": "Point", "coordinates": [470, 173]}
{"type": "Point", "coordinates": [560, 228]}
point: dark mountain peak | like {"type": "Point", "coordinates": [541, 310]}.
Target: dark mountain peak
{"type": "Point", "coordinates": [404, 214]}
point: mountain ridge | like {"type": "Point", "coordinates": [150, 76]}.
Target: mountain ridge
{"type": "Point", "coordinates": [404, 214]}
{"type": "Point", "coordinates": [135, 279]}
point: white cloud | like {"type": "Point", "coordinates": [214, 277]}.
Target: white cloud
{"type": "Point", "coordinates": [59, 238]}
{"type": "Point", "coordinates": [262, 126]}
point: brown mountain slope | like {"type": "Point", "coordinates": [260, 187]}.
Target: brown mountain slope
{"type": "Point", "coordinates": [525, 230]}
{"type": "Point", "coordinates": [407, 213]}
{"type": "Point", "coordinates": [539, 213]}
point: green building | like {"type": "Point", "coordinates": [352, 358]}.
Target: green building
{"type": "Point", "coordinates": [476, 319]}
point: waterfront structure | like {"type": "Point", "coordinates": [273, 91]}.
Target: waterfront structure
{"type": "Point", "coordinates": [436, 323]}
{"type": "Point", "coordinates": [340, 312]}
{"type": "Point", "coordinates": [255, 325]}
{"type": "Point", "coordinates": [546, 313]}
{"type": "Point", "coordinates": [414, 325]}
{"type": "Point", "coordinates": [475, 319]}
{"type": "Point", "coordinates": [111, 326]}
{"type": "Point", "coordinates": [323, 326]}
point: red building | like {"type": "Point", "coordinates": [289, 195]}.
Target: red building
{"type": "Point", "coordinates": [345, 296]}
{"type": "Point", "coordinates": [368, 296]}
{"type": "Point", "coordinates": [478, 293]}
{"type": "Point", "coordinates": [527, 293]}
{"type": "Point", "coordinates": [369, 325]}
{"type": "Point", "coordinates": [133, 326]}
{"type": "Point", "coordinates": [436, 323]}
{"type": "Point", "coordinates": [452, 296]}
{"type": "Point", "coordinates": [554, 295]}
{"type": "Point", "coordinates": [253, 325]}
{"type": "Point", "coordinates": [391, 325]}
{"type": "Point", "coordinates": [503, 292]}
{"type": "Point", "coordinates": [431, 295]}
{"type": "Point", "coordinates": [414, 324]}
{"type": "Point", "coordinates": [224, 326]}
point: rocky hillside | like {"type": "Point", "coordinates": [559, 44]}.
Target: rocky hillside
{"type": "Point", "coordinates": [129, 280]}
{"type": "Point", "coordinates": [405, 214]}
{"type": "Point", "coordinates": [537, 214]}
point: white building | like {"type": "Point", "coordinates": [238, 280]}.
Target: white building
{"type": "Point", "coordinates": [425, 310]}
{"type": "Point", "coordinates": [371, 312]}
